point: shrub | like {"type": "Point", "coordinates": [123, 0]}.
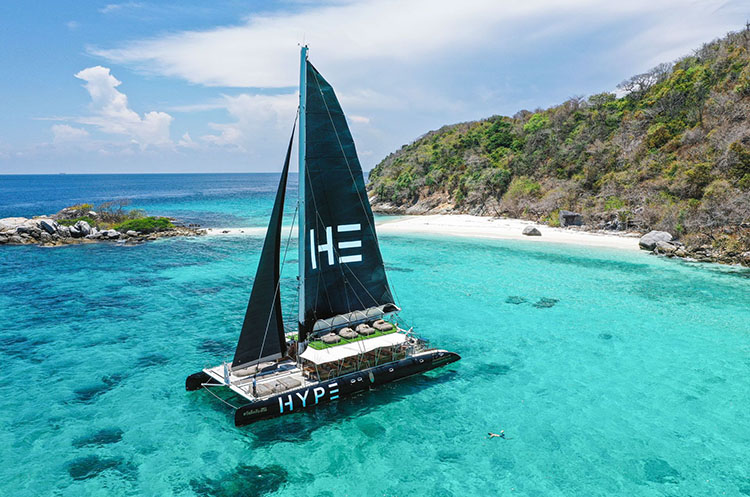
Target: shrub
{"type": "Point", "coordinates": [145, 224]}
{"type": "Point", "coordinates": [523, 186]}
{"type": "Point", "coordinates": [614, 203]}
{"type": "Point", "coordinates": [71, 222]}
{"type": "Point", "coordinates": [537, 122]}
{"type": "Point", "coordinates": [657, 135]}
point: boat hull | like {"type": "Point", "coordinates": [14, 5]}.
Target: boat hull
{"type": "Point", "coordinates": [330, 390]}
{"type": "Point", "coordinates": [350, 384]}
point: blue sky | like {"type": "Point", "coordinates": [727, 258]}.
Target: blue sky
{"type": "Point", "coordinates": [197, 86]}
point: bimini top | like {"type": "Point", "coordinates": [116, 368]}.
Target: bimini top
{"type": "Point", "coordinates": [338, 352]}
{"type": "Point", "coordinates": [353, 317]}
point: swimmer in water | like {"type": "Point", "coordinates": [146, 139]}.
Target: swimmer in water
{"type": "Point", "coordinates": [500, 435]}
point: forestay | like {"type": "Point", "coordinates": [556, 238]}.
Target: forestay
{"type": "Point", "coordinates": [262, 337]}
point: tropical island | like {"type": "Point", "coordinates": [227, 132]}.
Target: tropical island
{"type": "Point", "coordinates": [670, 152]}
{"type": "Point", "coordinates": [82, 223]}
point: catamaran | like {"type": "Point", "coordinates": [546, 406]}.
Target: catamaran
{"type": "Point", "coordinates": [348, 337]}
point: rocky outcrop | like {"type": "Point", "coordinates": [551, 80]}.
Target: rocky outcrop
{"type": "Point", "coordinates": [531, 231]}
{"type": "Point", "coordinates": [650, 239]}
{"type": "Point", "coordinates": [569, 218]}
{"type": "Point", "coordinates": [47, 232]}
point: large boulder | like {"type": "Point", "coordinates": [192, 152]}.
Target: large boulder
{"type": "Point", "coordinates": [666, 248]}
{"type": "Point", "coordinates": [131, 233]}
{"type": "Point", "coordinates": [111, 234]}
{"type": "Point", "coordinates": [531, 231]}
{"type": "Point", "coordinates": [49, 225]}
{"type": "Point", "coordinates": [12, 223]}
{"type": "Point", "coordinates": [569, 218]}
{"type": "Point", "coordinates": [63, 231]}
{"type": "Point", "coordinates": [649, 240]}
{"type": "Point", "coordinates": [83, 227]}
{"type": "Point", "coordinates": [75, 232]}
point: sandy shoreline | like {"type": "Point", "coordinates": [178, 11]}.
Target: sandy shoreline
{"type": "Point", "coordinates": [474, 227]}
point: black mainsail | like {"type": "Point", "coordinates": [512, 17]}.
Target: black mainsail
{"type": "Point", "coordinates": [342, 268]}
{"type": "Point", "coordinates": [262, 337]}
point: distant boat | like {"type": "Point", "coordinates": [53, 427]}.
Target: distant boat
{"type": "Point", "coordinates": [348, 339]}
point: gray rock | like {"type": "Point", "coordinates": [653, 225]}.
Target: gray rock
{"type": "Point", "coordinates": [648, 241]}
{"type": "Point", "coordinates": [83, 227]}
{"type": "Point", "coordinates": [131, 233]}
{"type": "Point", "coordinates": [111, 234]}
{"type": "Point", "coordinates": [29, 229]}
{"type": "Point", "coordinates": [663, 247]}
{"type": "Point", "coordinates": [680, 252]}
{"type": "Point", "coordinates": [569, 218]}
{"type": "Point", "coordinates": [75, 232]}
{"type": "Point", "coordinates": [63, 231]}
{"type": "Point", "coordinates": [15, 239]}
{"type": "Point", "coordinates": [49, 225]}
{"type": "Point", "coordinates": [12, 223]}
{"type": "Point", "coordinates": [92, 214]}
{"type": "Point", "coordinates": [531, 231]}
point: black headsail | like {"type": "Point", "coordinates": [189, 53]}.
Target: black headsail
{"type": "Point", "coordinates": [262, 336]}
{"type": "Point", "coordinates": [343, 269]}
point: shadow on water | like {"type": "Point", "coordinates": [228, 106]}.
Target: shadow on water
{"type": "Point", "coordinates": [659, 471]}
{"type": "Point", "coordinates": [300, 426]}
{"type": "Point", "coordinates": [149, 360]}
{"type": "Point", "coordinates": [99, 438]}
{"type": "Point", "coordinates": [545, 303]}
{"type": "Point", "coordinates": [86, 467]}
{"type": "Point", "coordinates": [244, 480]}
{"type": "Point", "coordinates": [215, 347]}
{"type": "Point", "coordinates": [515, 300]}
{"type": "Point", "coordinates": [90, 393]}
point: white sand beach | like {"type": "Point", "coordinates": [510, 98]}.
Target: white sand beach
{"type": "Point", "coordinates": [476, 227]}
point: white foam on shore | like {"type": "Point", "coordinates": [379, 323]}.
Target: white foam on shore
{"type": "Point", "coordinates": [472, 227]}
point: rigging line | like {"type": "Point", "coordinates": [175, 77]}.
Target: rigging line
{"type": "Point", "coordinates": [359, 197]}
{"type": "Point", "coordinates": [348, 167]}
{"type": "Point", "coordinates": [320, 272]}
{"type": "Point", "coordinates": [343, 153]}
{"type": "Point", "coordinates": [278, 283]}
{"type": "Point", "coordinates": [278, 286]}
{"type": "Point", "coordinates": [314, 254]}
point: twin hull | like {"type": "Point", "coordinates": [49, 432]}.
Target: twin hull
{"type": "Point", "coordinates": [327, 391]}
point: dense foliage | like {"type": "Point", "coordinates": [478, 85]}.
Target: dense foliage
{"type": "Point", "coordinates": [148, 224]}
{"type": "Point", "coordinates": [673, 153]}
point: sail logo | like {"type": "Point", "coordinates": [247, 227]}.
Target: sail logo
{"type": "Point", "coordinates": [305, 397]}
{"type": "Point", "coordinates": [331, 250]}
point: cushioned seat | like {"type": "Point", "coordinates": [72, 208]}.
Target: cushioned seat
{"type": "Point", "coordinates": [365, 330]}
{"type": "Point", "coordinates": [347, 333]}
{"type": "Point", "coordinates": [330, 338]}
{"type": "Point", "coordinates": [382, 325]}
{"type": "Point", "coordinates": [255, 368]}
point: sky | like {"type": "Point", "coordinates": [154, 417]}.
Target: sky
{"type": "Point", "coordinates": [211, 86]}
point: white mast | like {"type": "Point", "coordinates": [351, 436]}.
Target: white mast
{"type": "Point", "coordinates": [301, 231]}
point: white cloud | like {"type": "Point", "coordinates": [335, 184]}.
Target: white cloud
{"type": "Point", "coordinates": [263, 51]}
{"type": "Point", "coordinates": [113, 115]}
{"type": "Point", "coordinates": [359, 119]}
{"type": "Point", "coordinates": [73, 25]}
{"type": "Point", "coordinates": [255, 118]}
{"type": "Point", "coordinates": [115, 7]}
{"type": "Point", "coordinates": [64, 133]}
{"type": "Point", "coordinates": [187, 142]}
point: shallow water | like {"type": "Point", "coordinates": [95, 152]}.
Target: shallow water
{"type": "Point", "coordinates": [611, 373]}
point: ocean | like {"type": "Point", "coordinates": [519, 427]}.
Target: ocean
{"type": "Point", "coordinates": [612, 373]}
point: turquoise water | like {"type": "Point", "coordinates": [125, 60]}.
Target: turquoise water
{"type": "Point", "coordinates": [611, 373]}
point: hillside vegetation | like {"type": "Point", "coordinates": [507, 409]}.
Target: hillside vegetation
{"type": "Point", "coordinates": [673, 154]}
